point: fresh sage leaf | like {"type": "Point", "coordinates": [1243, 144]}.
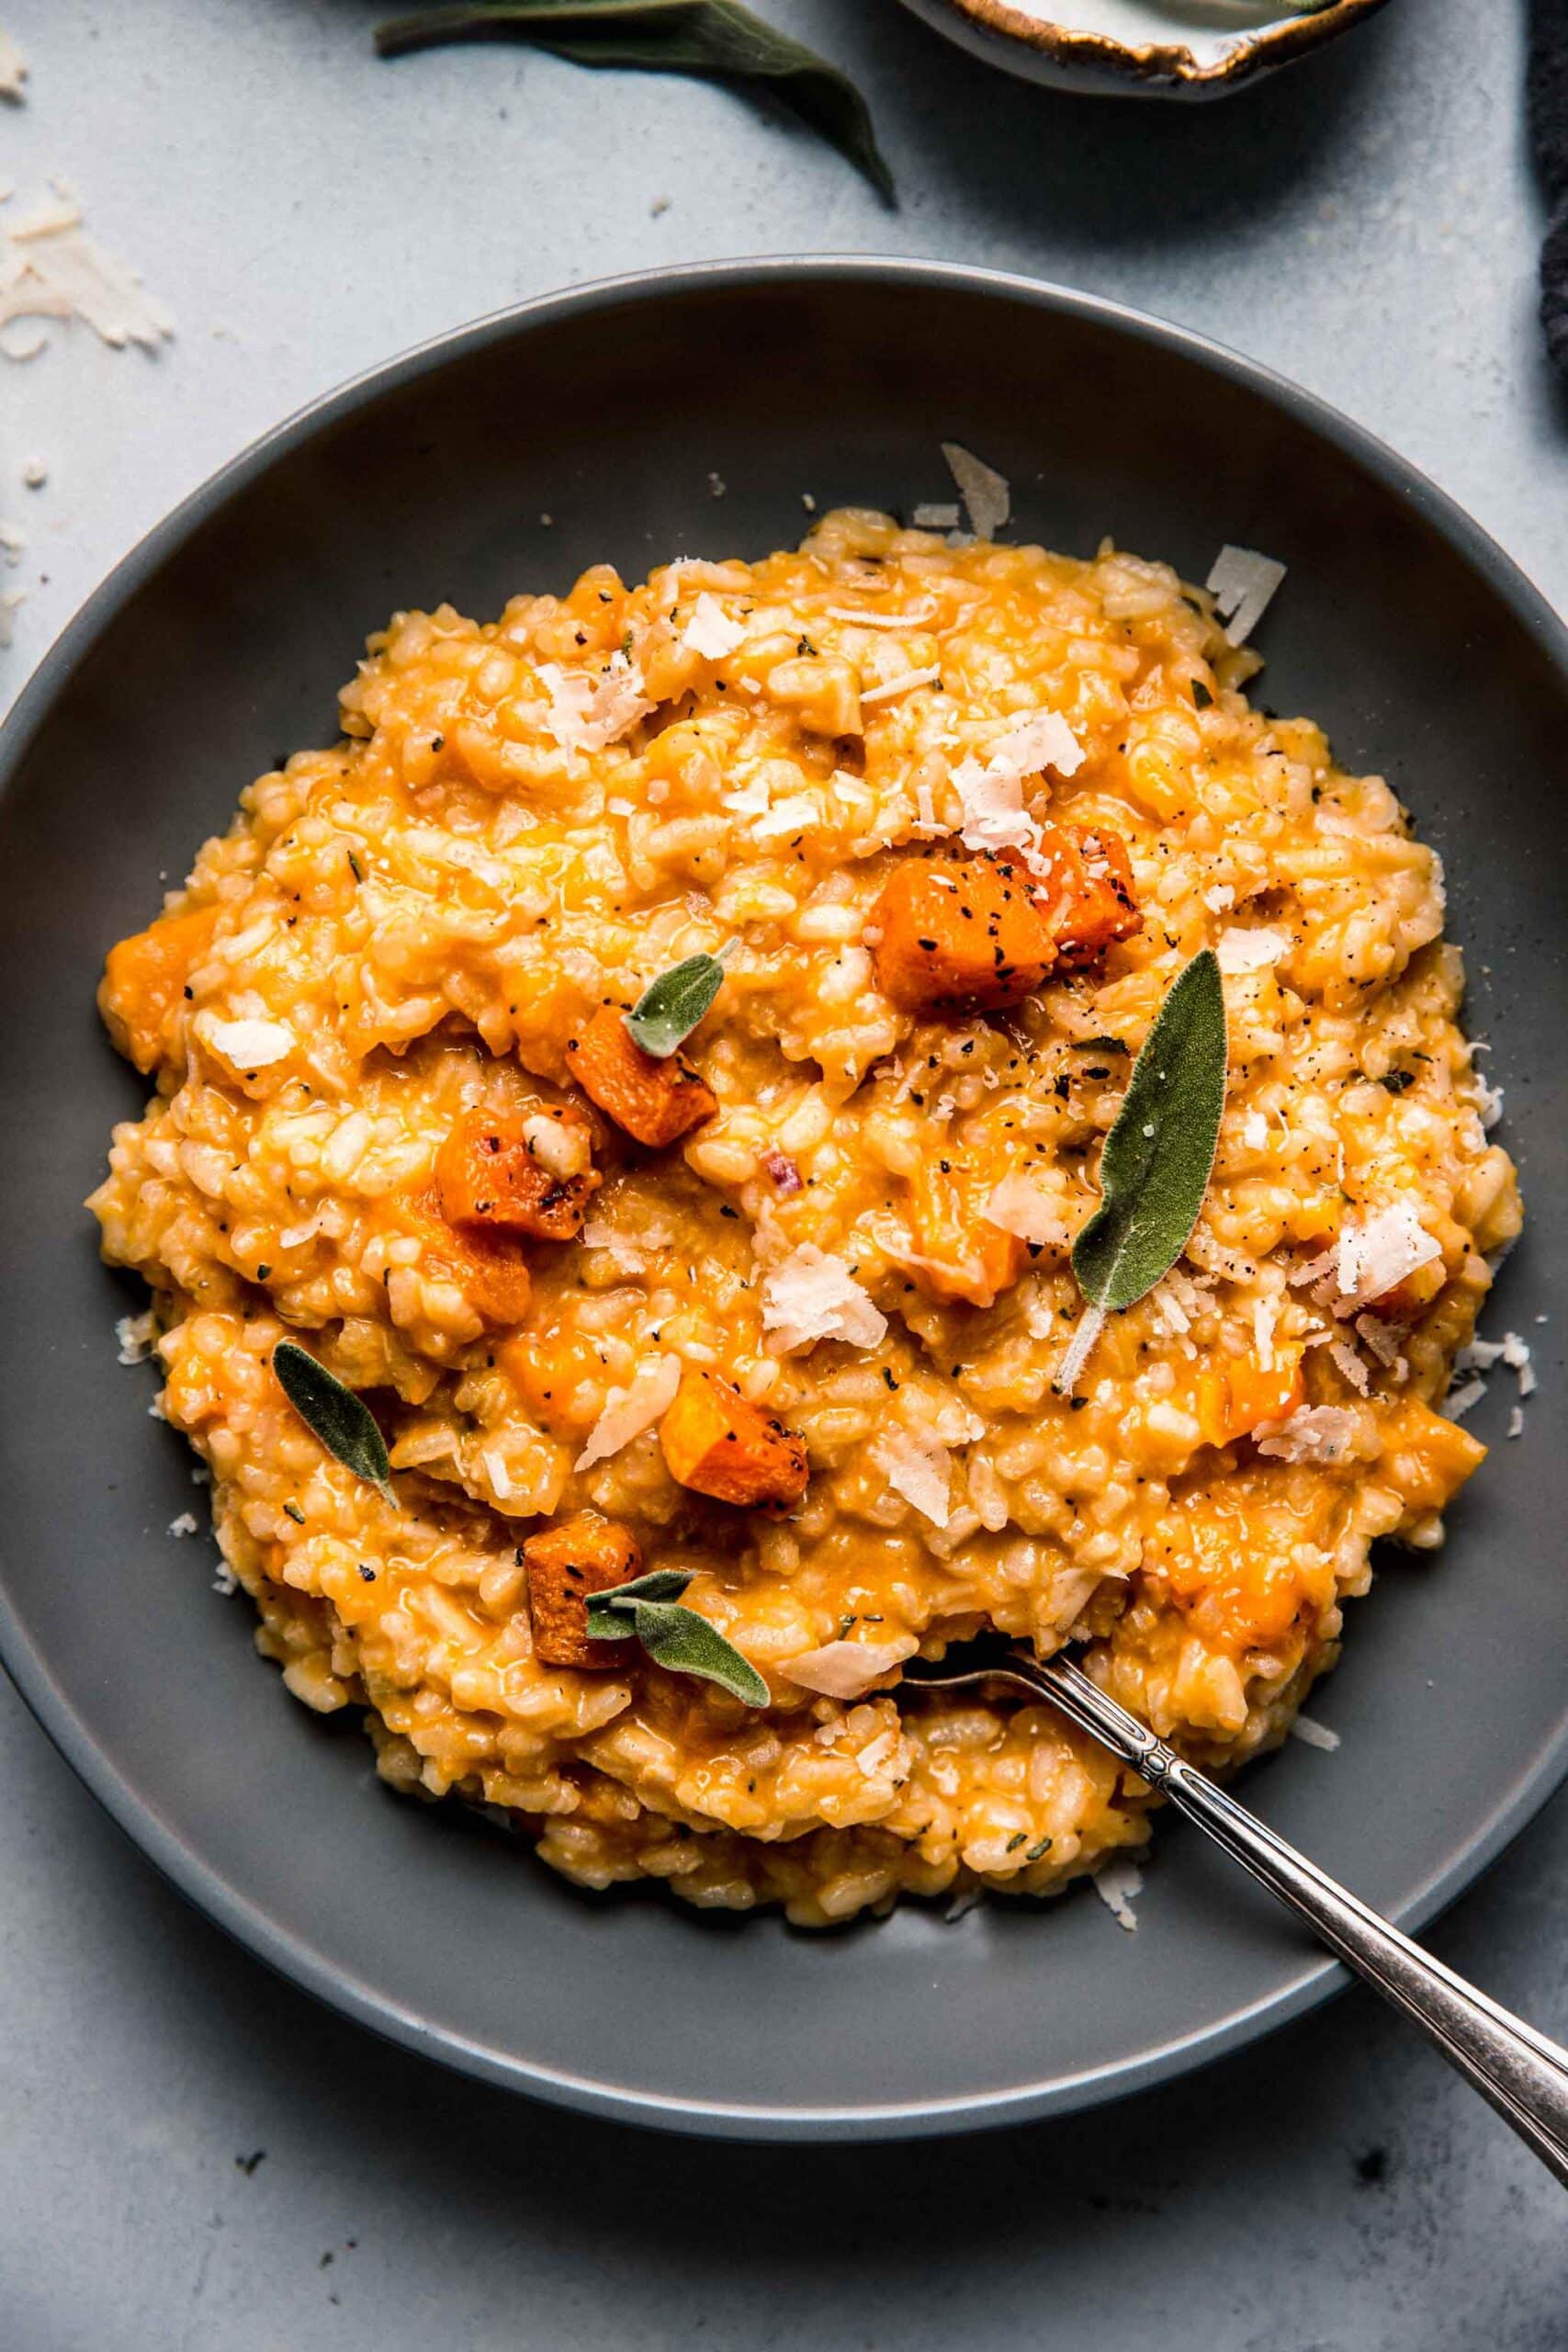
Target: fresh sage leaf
{"type": "Point", "coordinates": [677, 1639]}
{"type": "Point", "coordinates": [671, 1007]}
{"type": "Point", "coordinates": [719, 39]}
{"type": "Point", "coordinates": [1160, 1154]}
{"type": "Point", "coordinates": [659, 1584]}
{"type": "Point", "coordinates": [345, 1425]}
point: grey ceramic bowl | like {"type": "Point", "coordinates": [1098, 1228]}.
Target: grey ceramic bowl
{"type": "Point", "coordinates": [1166, 49]}
{"type": "Point", "coordinates": [223, 640]}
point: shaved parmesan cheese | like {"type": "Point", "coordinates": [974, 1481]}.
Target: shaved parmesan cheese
{"type": "Point", "coordinates": [813, 1296]}
{"type": "Point", "coordinates": [1314, 1735]}
{"type": "Point", "coordinates": [1460, 1400]}
{"type": "Point", "coordinates": [1116, 1883]}
{"type": "Point", "coordinates": [918, 615]}
{"type": "Point", "coordinates": [1249, 951]}
{"type": "Point", "coordinates": [793, 814]}
{"type": "Point", "coordinates": [1384, 1338]}
{"type": "Point", "coordinates": [246, 1044]}
{"type": "Point", "coordinates": [986, 493]}
{"type": "Point", "coordinates": [935, 515]}
{"type": "Point", "coordinates": [992, 792]}
{"type": "Point", "coordinates": [1243, 584]}
{"type": "Point", "coordinates": [876, 1752]}
{"type": "Point", "coordinates": [8, 605]}
{"type": "Point", "coordinates": [1375, 1255]}
{"type": "Point", "coordinates": [12, 542]}
{"type": "Point", "coordinates": [906, 684]}
{"type": "Point", "coordinates": [187, 1524]}
{"type": "Point", "coordinates": [1019, 1206]}
{"type": "Point", "coordinates": [1489, 1100]}
{"type": "Point", "coordinates": [1219, 897]}
{"type": "Point", "coordinates": [647, 1397]}
{"type": "Point", "coordinates": [1265, 1316]}
{"type": "Point", "coordinates": [848, 1669]}
{"type": "Point", "coordinates": [137, 1336]}
{"type": "Point", "coordinates": [587, 713]}
{"type": "Point", "coordinates": [710, 632]}
{"type": "Point", "coordinates": [1313, 1433]}
{"type": "Point", "coordinates": [1516, 1422]}
{"type": "Point", "coordinates": [1350, 1364]}
{"type": "Point", "coordinates": [919, 1468]}
{"type": "Point", "coordinates": [49, 268]}
{"type": "Point", "coordinates": [1255, 1131]}
{"type": "Point", "coordinates": [12, 78]}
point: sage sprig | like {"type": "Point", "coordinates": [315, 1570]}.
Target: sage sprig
{"type": "Point", "coordinates": [671, 1007]}
{"type": "Point", "coordinates": [677, 1639]}
{"type": "Point", "coordinates": [717, 40]}
{"type": "Point", "coordinates": [1159, 1156]}
{"type": "Point", "coordinates": [343, 1422]}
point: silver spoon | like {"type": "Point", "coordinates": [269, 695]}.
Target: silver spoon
{"type": "Point", "coordinates": [1524, 2076]}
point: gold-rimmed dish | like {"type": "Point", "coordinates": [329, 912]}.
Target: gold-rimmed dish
{"type": "Point", "coordinates": [1173, 49]}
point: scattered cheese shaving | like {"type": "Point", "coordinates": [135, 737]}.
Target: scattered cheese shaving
{"type": "Point", "coordinates": [987, 496]}
{"type": "Point", "coordinates": [1516, 1422]}
{"type": "Point", "coordinates": [1462, 1399]}
{"type": "Point", "coordinates": [813, 1296]}
{"type": "Point", "coordinates": [919, 1468]}
{"type": "Point", "coordinates": [710, 632]}
{"type": "Point", "coordinates": [587, 714]}
{"type": "Point", "coordinates": [917, 616]}
{"type": "Point", "coordinates": [1255, 1131]}
{"type": "Point", "coordinates": [876, 1752]}
{"type": "Point", "coordinates": [247, 1044]}
{"type": "Point", "coordinates": [137, 1336]}
{"type": "Point", "coordinates": [848, 1669]}
{"type": "Point", "coordinates": [1241, 951]}
{"type": "Point", "coordinates": [1243, 584]}
{"type": "Point", "coordinates": [906, 684]}
{"type": "Point", "coordinates": [1314, 1735]}
{"type": "Point", "coordinates": [647, 1397]}
{"type": "Point", "coordinates": [1019, 1206]}
{"type": "Point", "coordinates": [187, 1524]}
{"type": "Point", "coordinates": [13, 75]}
{"type": "Point", "coordinates": [49, 268]}
{"type": "Point", "coordinates": [1116, 1883]}
{"type": "Point", "coordinates": [1313, 1433]}
{"type": "Point", "coordinates": [1375, 1255]}
{"type": "Point", "coordinates": [992, 790]}
{"type": "Point", "coordinates": [1349, 1364]}
{"type": "Point", "coordinates": [935, 514]}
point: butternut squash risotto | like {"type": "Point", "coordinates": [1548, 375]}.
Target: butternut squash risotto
{"type": "Point", "coordinates": [784, 1306]}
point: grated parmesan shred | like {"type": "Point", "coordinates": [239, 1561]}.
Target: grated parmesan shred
{"type": "Point", "coordinates": [1243, 584]}
{"type": "Point", "coordinates": [647, 1397]}
{"type": "Point", "coordinates": [1116, 1883]}
{"type": "Point", "coordinates": [710, 632]}
{"type": "Point", "coordinates": [812, 1296]}
{"type": "Point", "coordinates": [988, 498]}
{"type": "Point", "coordinates": [51, 268]}
{"type": "Point", "coordinates": [846, 1670]}
{"type": "Point", "coordinates": [13, 73]}
{"type": "Point", "coordinates": [921, 1469]}
{"type": "Point", "coordinates": [1314, 1735]}
{"type": "Point", "coordinates": [1311, 1433]}
{"type": "Point", "coordinates": [1019, 1206]}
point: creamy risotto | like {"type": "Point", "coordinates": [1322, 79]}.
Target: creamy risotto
{"type": "Point", "coordinates": [789, 1309]}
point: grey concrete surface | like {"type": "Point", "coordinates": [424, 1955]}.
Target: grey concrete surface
{"type": "Point", "coordinates": [193, 2157]}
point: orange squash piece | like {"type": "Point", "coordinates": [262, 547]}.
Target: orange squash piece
{"type": "Point", "coordinates": [717, 1442]}
{"type": "Point", "coordinates": [963, 1258]}
{"type": "Point", "coordinates": [1083, 886]}
{"type": "Point", "coordinates": [1238, 1396]}
{"type": "Point", "coordinates": [583, 1556]}
{"type": "Point", "coordinates": [488, 1268]}
{"type": "Point", "coordinates": [655, 1100]}
{"type": "Point", "coordinates": [144, 979]}
{"type": "Point", "coordinates": [1429, 1458]}
{"type": "Point", "coordinates": [960, 936]}
{"type": "Point", "coordinates": [532, 1173]}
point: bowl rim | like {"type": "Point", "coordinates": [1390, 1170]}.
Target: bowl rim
{"type": "Point", "coordinates": [290, 1953]}
{"type": "Point", "coordinates": [1156, 62]}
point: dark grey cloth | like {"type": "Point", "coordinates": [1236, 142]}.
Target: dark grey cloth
{"type": "Point", "coordinates": [1549, 135]}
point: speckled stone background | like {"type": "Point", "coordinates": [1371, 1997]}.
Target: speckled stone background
{"type": "Point", "coordinates": [194, 2158]}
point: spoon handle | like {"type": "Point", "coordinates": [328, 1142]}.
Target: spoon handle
{"type": "Point", "coordinates": [1523, 2073]}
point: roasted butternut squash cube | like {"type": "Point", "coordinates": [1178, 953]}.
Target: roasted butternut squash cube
{"type": "Point", "coordinates": [717, 1442]}
{"type": "Point", "coordinates": [962, 1257]}
{"type": "Point", "coordinates": [144, 979]}
{"type": "Point", "coordinates": [656, 1100]}
{"type": "Point", "coordinates": [961, 935]}
{"type": "Point", "coordinates": [488, 1268]}
{"type": "Point", "coordinates": [1083, 885]}
{"type": "Point", "coordinates": [566, 1563]}
{"type": "Point", "coordinates": [1240, 1396]}
{"type": "Point", "coordinates": [1427, 1458]}
{"type": "Point", "coordinates": [531, 1173]}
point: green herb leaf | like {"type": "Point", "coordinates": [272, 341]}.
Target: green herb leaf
{"type": "Point", "coordinates": [716, 38]}
{"type": "Point", "coordinates": [677, 1639]}
{"type": "Point", "coordinates": [345, 1425]}
{"type": "Point", "coordinates": [669, 1009]}
{"type": "Point", "coordinates": [1160, 1154]}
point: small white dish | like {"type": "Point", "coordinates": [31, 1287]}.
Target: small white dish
{"type": "Point", "coordinates": [1174, 49]}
